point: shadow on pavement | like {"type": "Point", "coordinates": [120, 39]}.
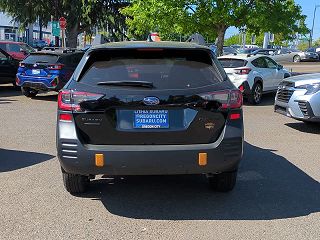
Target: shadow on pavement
{"type": "Point", "coordinates": [9, 91]}
{"type": "Point", "coordinates": [313, 128]}
{"type": "Point", "coordinates": [12, 159]}
{"type": "Point", "coordinates": [5, 101]}
{"type": "Point", "coordinates": [269, 187]}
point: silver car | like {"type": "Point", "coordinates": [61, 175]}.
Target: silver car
{"type": "Point", "coordinates": [299, 98]}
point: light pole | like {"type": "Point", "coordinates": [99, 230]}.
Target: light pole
{"type": "Point", "coordinates": [314, 16]}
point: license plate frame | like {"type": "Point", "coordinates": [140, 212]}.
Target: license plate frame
{"type": "Point", "coordinates": [151, 119]}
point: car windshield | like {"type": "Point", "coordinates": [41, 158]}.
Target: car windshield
{"type": "Point", "coordinates": [164, 72]}
{"type": "Point", "coordinates": [232, 63]}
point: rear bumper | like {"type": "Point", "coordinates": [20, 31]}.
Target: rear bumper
{"type": "Point", "coordinates": [223, 155]}
{"type": "Point", "coordinates": [39, 83]}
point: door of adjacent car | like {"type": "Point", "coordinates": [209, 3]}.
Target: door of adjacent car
{"type": "Point", "coordinates": [7, 71]}
{"type": "Point", "coordinates": [277, 74]}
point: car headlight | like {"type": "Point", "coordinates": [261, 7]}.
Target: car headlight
{"type": "Point", "coordinates": [311, 88]}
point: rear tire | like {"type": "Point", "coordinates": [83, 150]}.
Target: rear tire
{"type": "Point", "coordinates": [29, 92]}
{"type": "Point", "coordinates": [75, 183]}
{"type": "Point", "coordinates": [256, 94]}
{"type": "Point", "coordinates": [223, 182]}
{"type": "Point", "coordinates": [296, 58]}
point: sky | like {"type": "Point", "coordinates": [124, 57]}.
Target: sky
{"type": "Point", "coordinates": [307, 9]}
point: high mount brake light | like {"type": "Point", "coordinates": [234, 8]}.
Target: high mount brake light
{"type": "Point", "coordinates": [70, 100]}
{"type": "Point", "coordinates": [228, 99]}
{"type": "Point", "coordinates": [55, 66]}
{"type": "Point", "coordinates": [243, 71]}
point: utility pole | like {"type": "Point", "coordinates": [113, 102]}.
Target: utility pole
{"type": "Point", "coordinates": [314, 16]}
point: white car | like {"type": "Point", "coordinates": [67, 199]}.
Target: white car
{"type": "Point", "coordinates": [299, 98]}
{"type": "Point", "coordinates": [254, 74]}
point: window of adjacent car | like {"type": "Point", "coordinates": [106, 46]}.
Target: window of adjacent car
{"type": "Point", "coordinates": [259, 63]}
{"type": "Point", "coordinates": [270, 63]}
{"type": "Point", "coordinates": [232, 63]}
{"type": "Point", "coordinates": [3, 59]}
{"type": "Point", "coordinates": [44, 58]}
{"type": "Point", "coordinates": [3, 46]}
{"type": "Point", "coordinates": [14, 48]}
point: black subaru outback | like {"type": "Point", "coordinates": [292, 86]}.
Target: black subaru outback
{"type": "Point", "coordinates": [138, 108]}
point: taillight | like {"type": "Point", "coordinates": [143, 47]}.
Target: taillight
{"type": "Point", "coordinates": [17, 81]}
{"type": "Point", "coordinates": [22, 65]}
{"type": "Point", "coordinates": [70, 100]}
{"type": "Point", "coordinates": [55, 66]}
{"type": "Point", "coordinates": [227, 99]}
{"type": "Point", "coordinates": [241, 88]}
{"type": "Point", "coordinates": [242, 71]}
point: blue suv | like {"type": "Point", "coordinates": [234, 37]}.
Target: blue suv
{"type": "Point", "coordinates": [47, 70]}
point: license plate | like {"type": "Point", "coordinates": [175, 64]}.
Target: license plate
{"type": "Point", "coordinates": [36, 71]}
{"type": "Point", "coordinates": [151, 119]}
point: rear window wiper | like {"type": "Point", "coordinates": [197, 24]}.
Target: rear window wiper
{"type": "Point", "coordinates": [142, 84]}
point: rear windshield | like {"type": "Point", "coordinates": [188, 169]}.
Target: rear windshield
{"type": "Point", "coordinates": [163, 70]}
{"type": "Point", "coordinates": [41, 58]}
{"type": "Point", "coordinates": [232, 63]}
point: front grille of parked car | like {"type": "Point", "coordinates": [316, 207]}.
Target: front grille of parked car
{"type": "Point", "coordinates": [304, 109]}
{"type": "Point", "coordinates": [284, 94]}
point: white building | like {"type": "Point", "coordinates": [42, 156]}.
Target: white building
{"type": "Point", "coordinates": [9, 30]}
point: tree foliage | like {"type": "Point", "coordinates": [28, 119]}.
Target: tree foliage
{"type": "Point", "coordinates": [81, 15]}
{"type": "Point", "coordinates": [212, 18]}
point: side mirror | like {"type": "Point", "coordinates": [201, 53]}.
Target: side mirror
{"type": "Point", "coordinates": [280, 67]}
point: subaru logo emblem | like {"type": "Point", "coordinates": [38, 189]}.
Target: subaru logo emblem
{"type": "Point", "coordinates": [35, 65]}
{"type": "Point", "coordinates": [151, 101]}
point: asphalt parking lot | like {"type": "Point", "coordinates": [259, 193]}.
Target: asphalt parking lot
{"type": "Point", "coordinates": [277, 195]}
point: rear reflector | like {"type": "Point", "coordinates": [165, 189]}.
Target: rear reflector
{"type": "Point", "coordinates": [235, 116]}
{"type": "Point", "coordinates": [202, 159]}
{"type": "Point", "coordinates": [65, 117]}
{"type": "Point", "coordinates": [99, 160]}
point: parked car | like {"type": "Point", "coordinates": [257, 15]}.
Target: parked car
{"type": "Point", "coordinates": [288, 55]}
{"type": "Point", "coordinates": [149, 108]}
{"type": "Point", "coordinates": [254, 74]}
{"type": "Point", "coordinates": [47, 71]}
{"type": "Point", "coordinates": [8, 68]}
{"type": "Point", "coordinates": [17, 50]}
{"type": "Point", "coordinates": [246, 50]}
{"type": "Point", "coordinates": [263, 51]}
{"type": "Point", "coordinates": [310, 54]}
{"type": "Point", "coordinates": [299, 98]}
{"type": "Point", "coordinates": [229, 50]}
{"type": "Point", "coordinates": [40, 44]}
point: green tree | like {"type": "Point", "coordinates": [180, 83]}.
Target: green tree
{"type": "Point", "coordinates": [212, 18]}
{"type": "Point", "coordinates": [81, 15]}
